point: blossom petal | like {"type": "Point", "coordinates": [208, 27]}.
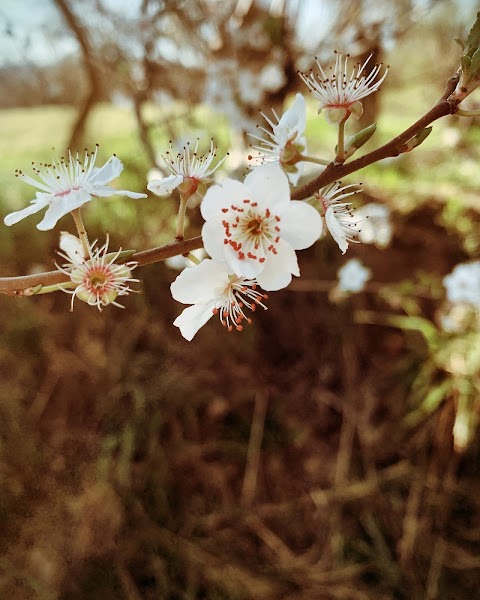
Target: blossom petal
{"type": "Point", "coordinates": [295, 118]}
{"type": "Point", "coordinates": [336, 229]}
{"type": "Point", "coordinates": [201, 283]}
{"type": "Point", "coordinates": [279, 268]}
{"type": "Point", "coordinates": [41, 201]}
{"type": "Point", "coordinates": [110, 170]}
{"type": "Point", "coordinates": [220, 196]}
{"type": "Point", "coordinates": [301, 225]}
{"type": "Point", "coordinates": [165, 186]}
{"type": "Point", "coordinates": [105, 191]}
{"type": "Point", "coordinates": [245, 267]}
{"type": "Point", "coordinates": [194, 317]}
{"type": "Point", "coordinates": [212, 236]}
{"type": "Point", "coordinates": [269, 186]}
{"type": "Point", "coordinates": [72, 247]}
{"type": "Point", "coordinates": [62, 205]}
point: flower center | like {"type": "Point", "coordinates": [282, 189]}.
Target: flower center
{"type": "Point", "coordinates": [238, 294]}
{"type": "Point", "coordinates": [251, 233]}
{"type": "Point", "coordinates": [98, 280]}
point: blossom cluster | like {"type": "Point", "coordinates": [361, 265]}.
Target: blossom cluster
{"type": "Point", "coordinates": [252, 228]}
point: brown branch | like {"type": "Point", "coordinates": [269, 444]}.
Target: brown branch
{"type": "Point", "coordinates": [445, 106]}
{"type": "Point", "coordinates": [21, 286]}
{"type": "Point", "coordinates": [94, 79]}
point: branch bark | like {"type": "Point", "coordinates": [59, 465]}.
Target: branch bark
{"type": "Point", "coordinates": [94, 80]}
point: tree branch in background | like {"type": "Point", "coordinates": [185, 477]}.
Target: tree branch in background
{"type": "Point", "coordinates": [93, 94]}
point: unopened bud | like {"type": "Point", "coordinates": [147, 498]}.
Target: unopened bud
{"type": "Point", "coordinates": [354, 142]}
{"type": "Point", "coordinates": [416, 140]}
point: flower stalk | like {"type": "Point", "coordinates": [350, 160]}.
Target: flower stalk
{"type": "Point", "coordinates": [82, 234]}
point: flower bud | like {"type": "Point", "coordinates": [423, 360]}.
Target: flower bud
{"type": "Point", "coordinates": [354, 142]}
{"type": "Point", "coordinates": [416, 140]}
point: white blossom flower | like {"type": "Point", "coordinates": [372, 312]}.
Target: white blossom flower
{"type": "Point", "coordinates": [256, 228]}
{"type": "Point", "coordinates": [98, 279]}
{"type": "Point", "coordinates": [188, 167]}
{"type": "Point", "coordinates": [338, 214]}
{"type": "Point", "coordinates": [287, 142]}
{"type": "Point", "coordinates": [249, 87]}
{"type": "Point", "coordinates": [340, 93]}
{"type": "Point", "coordinates": [213, 290]}
{"type": "Point", "coordinates": [67, 184]}
{"type": "Point", "coordinates": [353, 276]}
{"type": "Point", "coordinates": [376, 225]}
{"type": "Point", "coordinates": [463, 284]}
{"type": "Point", "coordinates": [272, 77]}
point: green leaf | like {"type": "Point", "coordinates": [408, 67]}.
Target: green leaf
{"type": "Point", "coordinates": [472, 42]}
{"type": "Point", "coordinates": [430, 403]}
{"type": "Point", "coordinates": [475, 63]}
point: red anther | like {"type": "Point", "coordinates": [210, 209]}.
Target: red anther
{"type": "Point", "coordinates": [254, 204]}
{"type": "Point", "coordinates": [253, 308]}
{"type": "Point", "coordinates": [249, 321]}
{"type": "Point", "coordinates": [239, 327]}
{"type": "Point", "coordinates": [267, 213]}
{"type": "Point", "coordinates": [230, 328]}
{"type": "Point", "coordinates": [247, 201]}
{"type": "Point", "coordinates": [224, 210]}
{"type": "Point", "coordinates": [277, 239]}
{"type": "Point", "coordinates": [277, 218]}
{"type": "Point", "coordinates": [277, 229]}
{"type": "Point", "coordinates": [261, 260]}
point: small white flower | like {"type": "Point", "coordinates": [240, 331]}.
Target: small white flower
{"type": "Point", "coordinates": [338, 214]}
{"type": "Point", "coordinates": [353, 276]}
{"type": "Point", "coordinates": [376, 225]}
{"type": "Point", "coordinates": [212, 290]}
{"type": "Point", "coordinates": [340, 93]}
{"type": "Point", "coordinates": [67, 184]}
{"type": "Point", "coordinates": [272, 77]}
{"type": "Point", "coordinates": [188, 167]}
{"type": "Point", "coordinates": [98, 280]}
{"type": "Point", "coordinates": [287, 142]}
{"type": "Point", "coordinates": [256, 228]}
{"type": "Point", "coordinates": [463, 284]}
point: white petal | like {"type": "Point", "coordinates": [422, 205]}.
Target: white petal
{"type": "Point", "coordinates": [222, 196]}
{"type": "Point", "coordinates": [72, 247]}
{"type": "Point", "coordinates": [269, 186]}
{"type": "Point", "coordinates": [336, 230]}
{"type": "Point", "coordinates": [41, 201]}
{"type": "Point", "coordinates": [110, 170]}
{"type": "Point", "coordinates": [62, 205]}
{"type": "Point", "coordinates": [192, 318]}
{"type": "Point", "coordinates": [213, 236]}
{"type": "Point", "coordinates": [295, 117]}
{"type": "Point", "coordinates": [105, 191]}
{"type": "Point", "coordinates": [245, 267]}
{"type": "Point", "coordinates": [164, 187]}
{"type": "Point", "coordinates": [301, 225]}
{"type": "Point", "coordinates": [279, 268]}
{"type": "Point", "coordinates": [201, 283]}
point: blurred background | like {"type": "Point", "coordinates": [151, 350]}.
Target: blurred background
{"type": "Point", "coordinates": [330, 450]}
